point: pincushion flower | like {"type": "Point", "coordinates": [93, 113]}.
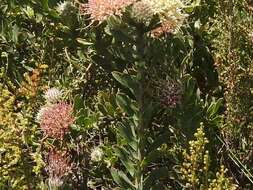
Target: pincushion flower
{"type": "Point", "coordinates": [170, 13]}
{"type": "Point", "coordinates": [170, 93]}
{"type": "Point", "coordinates": [100, 10]}
{"type": "Point", "coordinates": [41, 112]}
{"type": "Point", "coordinates": [142, 11]}
{"type": "Point", "coordinates": [53, 95]}
{"type": "Point", "coordinates": [56, 120]}
{"type": "Point", "coordinates": [58, 166]}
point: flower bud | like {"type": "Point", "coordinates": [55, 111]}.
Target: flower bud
{"type": "Point", "coordinates": [53, 95]}
{"type": "Point", "coordinates": [97, 154]}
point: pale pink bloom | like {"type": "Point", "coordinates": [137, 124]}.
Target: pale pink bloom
{"type": "Point", "coordinates": [56, 120]}
{"type": "Point", "coordinates": [53, 95]}
{"type": "Point", "coordinates": [142, 11]}
{"type": "Point", "coordinates": [100, 10]}
{"type": "Point", "coordinates": [58, 166]}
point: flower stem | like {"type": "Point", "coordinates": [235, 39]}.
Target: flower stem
{"type": "Point", "coordinates": [140, 99]}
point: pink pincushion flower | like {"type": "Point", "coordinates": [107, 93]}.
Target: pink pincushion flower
{"type": "Point", "coordinates": [58, 166]}
{"type": "Point", "coordinates": [56, 120]}
{"type": "Point", "coordinates": [100, 10]}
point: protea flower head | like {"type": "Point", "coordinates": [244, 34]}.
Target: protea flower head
{"type": "Point", "coordinates": [100, 10]}
{"type": "Point", "coordinates": [170, 93]}
{"type": "Point", "coordinates": [53, 95]}
{"type": "Point", "coordinates": [40, 113]}
{"type": "Point", "coordinates": [56, 120]}
{"type": "Point", "coordinates": [170, 13]}
{"type": "Point", "coordinates": [142, 11]}
{"type": "Point", "coordinates": [58, 167]}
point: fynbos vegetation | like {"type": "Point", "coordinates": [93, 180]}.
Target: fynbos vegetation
{"type": "Point", "coordinates": [126, 94]}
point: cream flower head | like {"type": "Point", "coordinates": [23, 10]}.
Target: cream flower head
{"type": "Point", "coordinates": [170, 12]}
{"type": "Point", "coordinates": [53, 95]}
{"type": "Point", "coordinates": [97, 154]}
{"type": "Point", "coordinates": [100, 10]}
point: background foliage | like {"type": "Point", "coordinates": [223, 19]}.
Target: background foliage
{"type": "Point", "coordinates": [124, 137]}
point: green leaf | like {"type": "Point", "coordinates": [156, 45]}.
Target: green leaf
{"type": "Point", "coordinates": [127, 81]}
{"type": "Point", "coordinates": [15, 33]}
{"type": "Point", "coordinates": [102, 109]}
{"type": "Point", "coordinates": [78, 103]}
{"type": "Point", "coordinates": [158, 186]}
{"type": "Point", "coordinates": [190, 88]}
{"type": "Point", "coordinates": [214, 107]}
{"type": "Point", "coordinates": [124, 103]}
{"type": "Point", "coordinates": [121, 35]}
{"type": "Point", "coordinates": [125, 156]}
{"type": "Point", "coordinates": [83, 42]}
{"type": "Point", "coordinates": [29, 12]}
{"type": "Point", "coordinates": [149, 111]}
{"type": "Point", "coordinates": [114, 22]}
{"type": "Point", "coordinates": [121, 179]}
{"type": "Point", "coordinates": [45, 4]}
{"type": "Point", "coordinates": [154, 176]}
{"type": "Point", "coordinates": [164, 138]}
{"type": "Point", "coordinates": [87, 122]}
{"type": "Point", "coordinates": [152, 156]}
{"type": "Point", "coordinates": [127, 131]}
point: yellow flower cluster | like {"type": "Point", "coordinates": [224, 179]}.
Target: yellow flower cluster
{"type": "Point", "coordinates": [196, 161]}
{"type": "Point", "coordinates": [196, 167]}
{"type": "Point", "coordinates": [6, 109]}
{"type": "Point", "coordinates": [11, 139]}
{"type": "Point", "coordinates": [222, 182]}
{"type": "Point", "coordinates": [16, 127]}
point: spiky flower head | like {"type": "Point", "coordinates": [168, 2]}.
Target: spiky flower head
{"type": "Point", "coordinates": [41, 113]}
{"type": "Point", "coordinates": [56, 120]}
{"type": "Point", "coordinates": [142, 11]}
{"type": "Point", "coordinates": [63, 6]}
{"type": "Point", "coordinates": [170, 13]}
{"type": "Point", "coordinates": [100, 10]}
{"type": "Point", "coordinates": [58, 167]}
{"type": "Point", "coordinates": [171, 93]}
{"type": "Point", "coordinates": [53, 95]}
{"type": "Point", "coordinates": [97, 154]}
